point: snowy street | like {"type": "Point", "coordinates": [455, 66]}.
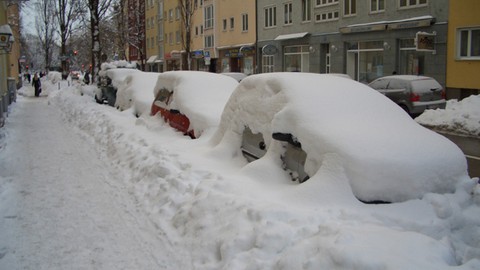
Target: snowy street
{"type": "Point", "coordinates": [89, 186]}
{"type": "Point", "coordinates": [60, 209]}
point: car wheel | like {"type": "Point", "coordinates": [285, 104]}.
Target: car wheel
{"type": "Point", "coordinates": [99, 101]}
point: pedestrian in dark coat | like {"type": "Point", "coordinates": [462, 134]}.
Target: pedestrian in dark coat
{"type": "Point", "coordinates": [37, 85]}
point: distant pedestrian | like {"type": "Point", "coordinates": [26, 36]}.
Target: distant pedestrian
{"type": "Point", "coordinates": [37, 84]}
{"type": "Point", "coordinates": [86, 77]}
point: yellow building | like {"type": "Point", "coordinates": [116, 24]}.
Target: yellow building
{"type": "Point", "coordinates": [463, 53]}
{"type": "Point", "coordinates": [154, 35]}
{"type": "Point", "coordinates": [7, 82]}
{"type": "Point", "coordinates": [172, 40]}
{"type": "Point", "coordinates": [235, 35]}
{"type": "Point", "coordinates": [197, 46]}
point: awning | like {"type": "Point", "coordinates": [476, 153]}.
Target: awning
{"type": "Point", "coordinates": [291, 36]}
{"type": "Point", "coordinates": [152, 59]}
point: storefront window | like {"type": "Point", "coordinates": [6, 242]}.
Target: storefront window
{"type": "Point", "coordinates": [411, 61]}
{"type": "Point", "coordinates": [248, 65]}
{"type": "Point", "coordinates": [365, 60]}
{"type": "Point", "coordinates": [297, 59]}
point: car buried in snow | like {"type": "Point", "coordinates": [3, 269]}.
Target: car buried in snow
{"type": "Point", "coordinates": [311, 123]}
{"type": "Point", "coordinates": [191, 101]}
{"type": "Point", "coordinates": [111, 76]}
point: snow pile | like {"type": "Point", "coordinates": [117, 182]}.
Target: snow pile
{"type": "Point", "coordinates": [229, 216]}
{"type": "Point", "coordinates": [117, 64]}
{"type": "Point", "coordinates": [461, 117]}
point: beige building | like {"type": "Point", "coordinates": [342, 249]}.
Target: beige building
{"type": "Point", "coordinates": [8, 67]}
{"type": "Point", "coordinates": [154, 35]}
{"type": "Point", "coordinates": [236, 36]}
{"type": "Point", "coordinates": [172, 36]}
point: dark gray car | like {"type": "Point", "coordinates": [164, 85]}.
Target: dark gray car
{"type": "Point", "coordinates": [413, 93]}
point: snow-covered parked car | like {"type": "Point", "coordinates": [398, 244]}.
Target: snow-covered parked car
{"type": "Point", "coordinates": [192, 101]}
{"type": "Point", "coordinates": [135, 93]}
{"type": "Point", "coordinates": [111, 75]}
{"type": "Point", "coordinates": [322, 127]}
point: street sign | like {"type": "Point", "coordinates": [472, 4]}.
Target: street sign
{"type": "Point", "coordinates": [425, 41]}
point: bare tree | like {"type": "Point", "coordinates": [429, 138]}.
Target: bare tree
{"type": "Point", "coordinates": [120, 21]}
{"type": "Point", "coordinates": [97, 9]}
{"type": "Point", "coordinates": [68, 12]}
{"type": "Point", "coordinates": [186, 13]}
{"type": "Point", "coordinates": [136, 28]}
{"type": "Point", "coordinates": [45, 27]}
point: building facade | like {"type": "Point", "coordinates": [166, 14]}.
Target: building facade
{"type": "Point", "coordinates": [364, 39]}
{"type": "Point", "coordinates": [236, 36]}
{"type": "Point", "coordinates": [8, 62]}
{"type": "Point", "coordinates": [463, 55]}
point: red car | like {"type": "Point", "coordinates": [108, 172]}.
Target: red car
{"type": "Point", "coordinates": [192, 101]}
{"type": "Point", "coordinates": [176, 119]}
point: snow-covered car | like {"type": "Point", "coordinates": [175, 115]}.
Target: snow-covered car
{"type": "Point", "coordinates": [192, 101]}
{"type": "Point", "coordinates": [322, 127]}
{"type": "Point", "coordinates": [110, 77]}
{"type": "Point", "coordinates": [239, 76]}
{"type": "Point", "coordinates": [414, 94]}
{"type": "Point", "coordinates": [135, 93]}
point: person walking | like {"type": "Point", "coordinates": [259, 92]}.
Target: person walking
{"type": "Point", "coordinates": [37, 85]}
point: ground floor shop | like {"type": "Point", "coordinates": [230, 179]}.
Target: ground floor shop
{"type": "Point", "coordinates": [363, 52]}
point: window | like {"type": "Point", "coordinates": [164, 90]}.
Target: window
{"type": "Point", "coordinates": [412, 3]}
{"type": "Point", "coordinates": [209, 41]}
{"type": "Point", "coordinates": [170, 14]}
{"type": "Point", "coordinates": [270, 17]}
{"type": "Point", "coordinates": [377, 6]}
{"type": "Point", "coordinates": [327, 16]}
{"type": "Point", "coordinates": [325, 2]}
{"type": "Point", "coordinates": [196, 30]}
{"type": "Point", "coordinates": [209, 17]}
{"type": "Point", "coordinates": [469, 43]}
{"type": "Point", "coordinates": [160, 11]}
{"type": "Point", "coordinates": [178, 37]}
{"type": "Point", "coordinates": [350, 7]}
{"type": "Point", "coordinates": [170, 38]}
{"type": "Point", "coordinates": [268, 64]}
{"type": "Point", "coordinates": [296, 59]}
{"type": "Point", "coordinates": [224, 24]}
{"type": "Point", "coordinates": [306, 10]}
{"type": "Point", "coordinates": [232, 23]}
{"type": "Point", "coordinates": [177, 13]}
{"type": "Point", "coordinates": [244, 22]}
{"type": "Point", "coordinates": [287, 17]}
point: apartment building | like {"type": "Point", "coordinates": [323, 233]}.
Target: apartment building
{"type": "Point", "coordinates": [463, 55]}
{"type": "Point", "coordinates": [173, 36]}
{"type": "Point", "coordinates": [364, 39]}
{"type": "Point", "coordinates": [236, 36]}
{"type": "Point", "coordinates": [153, 23]}
{"type": "Point", "coordinates": [7, 41]}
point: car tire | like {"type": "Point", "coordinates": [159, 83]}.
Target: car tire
{"type": "Point", "coordinates": [99, 101]}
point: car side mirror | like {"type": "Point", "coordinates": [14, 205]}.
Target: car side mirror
{"type": "Point", "coordinates": [286, 137]}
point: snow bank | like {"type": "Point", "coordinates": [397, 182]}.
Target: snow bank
{"type": "Point", "coordinates": [461, 117]}
{"type": "Point", "coordinates": [226, 216]}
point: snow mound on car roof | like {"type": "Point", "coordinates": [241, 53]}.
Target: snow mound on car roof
{"type": "Point", "coordinates": [384, 153]}
{"type": "Point", "coordinates": [201, 96]}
